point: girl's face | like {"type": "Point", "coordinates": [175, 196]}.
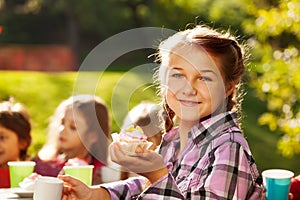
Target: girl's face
{"type": "Point", "coordinates": [195, 87]}
{"type": "Point", "coordinates": [72, 132]}
{"type": "Point", "coordinates": [9, 146]}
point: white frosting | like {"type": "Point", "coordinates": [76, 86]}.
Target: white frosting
{"type": "Point", "coordinates": [132, 134]}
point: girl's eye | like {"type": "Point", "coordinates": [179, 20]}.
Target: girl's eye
{"type": "Point", "coordinates": [205, 78]}
{"type": "Point", "coordinates": [2, 137]}
{"type": "Point", "coordinates": [73, 127]}
{"type": "Point", "coordinates": [177, 75]}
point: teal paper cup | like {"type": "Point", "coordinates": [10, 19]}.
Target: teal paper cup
{"type": "Point", "coordinates": [83, 173]}
{"type": "Point", "coordinates": [277, 183]}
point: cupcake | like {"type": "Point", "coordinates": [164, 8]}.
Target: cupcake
{"type": "Point", "coordinates": [131, 138]}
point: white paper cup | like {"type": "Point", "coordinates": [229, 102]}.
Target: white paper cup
{"type": "Point", "coordinates": [277, 183]}
{"type": "Point", "coordinates": [48, 188]}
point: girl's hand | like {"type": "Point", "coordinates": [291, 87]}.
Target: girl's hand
{"type": "Point", "coordinates": [75, 189]}
{"type": "Point", "coordinates": [146, 163]}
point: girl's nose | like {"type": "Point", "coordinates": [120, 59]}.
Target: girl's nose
{"type": "Point", "coordinates": [189, 88]}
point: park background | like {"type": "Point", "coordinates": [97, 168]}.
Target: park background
{"type": "Point", "coordinates": [44, 42]}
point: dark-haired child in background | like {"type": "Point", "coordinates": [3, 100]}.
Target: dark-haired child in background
{"type": "Point", "coordinates": [15, 137]}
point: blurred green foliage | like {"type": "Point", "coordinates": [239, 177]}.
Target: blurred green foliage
{"type": "Point", "coordinates": [276, 71]}
{"type": "Point", "coordinates": [270, 28]}
{"type": "Point", "coordinates": [84, 24]}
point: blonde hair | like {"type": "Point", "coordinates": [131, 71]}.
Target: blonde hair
{"type": "Point", "coordinates": [147, 115]}
{"type": "Point", "coordinates": [95, 111]}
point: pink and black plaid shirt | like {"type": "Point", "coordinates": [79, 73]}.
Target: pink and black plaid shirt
{"type": "Point", "coordinates": [215, 164]}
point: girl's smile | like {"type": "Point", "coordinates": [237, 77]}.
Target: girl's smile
{"type": "Point", "coordinates": [189, 103]}
{"type": "Point", "coordinates": [62, 139]}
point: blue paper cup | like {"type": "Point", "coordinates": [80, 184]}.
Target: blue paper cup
{"type": "Point", "coordinates": [277, 183]}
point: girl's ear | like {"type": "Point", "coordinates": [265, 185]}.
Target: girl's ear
{"type": "Point", "coordinates": [230, 88]}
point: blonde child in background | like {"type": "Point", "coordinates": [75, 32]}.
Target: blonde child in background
{"type": "Point", "coordinates": [78, 133]}
{"type": "Point", "coordinates": [151, 118]}
{"type": "Point", "coordinates": [15, 137]}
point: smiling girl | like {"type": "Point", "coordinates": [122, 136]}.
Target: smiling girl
{"type": "Point", "coordinates": [205, 156]}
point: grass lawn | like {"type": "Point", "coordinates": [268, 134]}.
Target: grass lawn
{"type": "Point", "coordinates": [42, 92]}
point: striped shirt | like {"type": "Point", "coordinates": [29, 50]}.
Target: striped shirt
{"type": "Point", "coordinates": [215, 164]}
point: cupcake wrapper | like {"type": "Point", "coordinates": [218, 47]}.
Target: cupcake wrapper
{"type": "Point", "coordinates": [129, 148]}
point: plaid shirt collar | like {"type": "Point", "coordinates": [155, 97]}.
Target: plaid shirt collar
{"type": "Point", "coordinates": [208, 129]}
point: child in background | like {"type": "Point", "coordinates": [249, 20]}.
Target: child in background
{"type": "Point", "coordinates": [151, 118]}
{"type": "Point", "coordinates": [15, 137]}
{"type": "Point", "coordinates": [79, 131]}
{"type": "Point", "coordinates": [206, 155]}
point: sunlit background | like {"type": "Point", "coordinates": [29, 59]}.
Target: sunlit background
{"type": "Point", "coordinates": [43, 43]}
